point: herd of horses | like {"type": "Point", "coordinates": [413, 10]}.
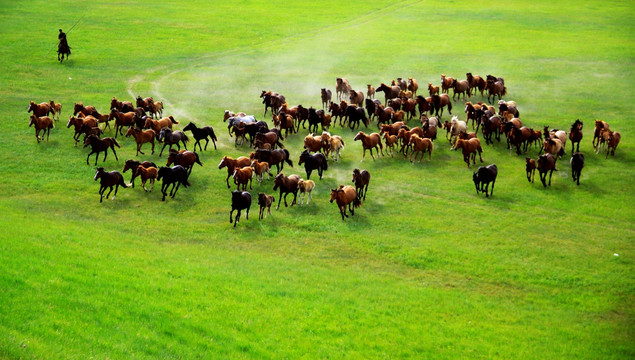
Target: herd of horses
{"type": "Point", "coordinates": [143, 121]}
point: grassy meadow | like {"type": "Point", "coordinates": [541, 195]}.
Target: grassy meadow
{"type": "Point", "coordinates": [426, 268]}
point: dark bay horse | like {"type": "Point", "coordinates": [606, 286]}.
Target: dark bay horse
{"type": "Point", "coordinates": [546, 164]}
{"type": "Point", "coordinates": [109, 180]}
{"type": "Point", "coordinates": [174, 176]}
{"type": "Point", "coordinates": [390, 92]}
{"type": "Point", "coordinates": [240, 200]}
{"type": "Point", "coordinates": [170, 137]}
{"type": "Point", "coordinates": [98, 145]}
{"type": "Point", "coordinates": [577, 163]}
{"type": "Point", "coordinates": [274, 157]}
{"type": "Point", "coordinates": [361, 180]}
{"type": "Point", "coordinates": [288, 185]}
{"type": "Point", "coordinates": [483, 176]}
{"type": "Point", "coordinates": [185, 158]}
{"type": "Point", "coordinates": [441, 101]}
{"type": "Point", "coordinates": [313, 162]}
{"type": "Point", "coordinates": [575, 134]}
{"type": "Point", "coordinates": [201, 133]}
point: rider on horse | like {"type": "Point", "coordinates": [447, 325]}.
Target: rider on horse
{"type": "Point", "coordinates": [63, 47]}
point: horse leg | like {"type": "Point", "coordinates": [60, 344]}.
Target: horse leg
{"type": "Point", "coordinates": [164, 145]}
{"type": "Point", "coordinates": [138, 150]}
{"type": "Point", "coordinates": [343, 212]}
{"type": "Point", "coordinates": [247, 215]}
{"type": "Point", "coordinates": [295, 197]}
{"type": "Point", "coordinates": [550, 173]}
{"type": "Point", "coordinates": [92, 152]}
{"type": "Point", "coordinates": [107, 195]}
{"type": "Point", "coordinates": [101, 193]}
{"type": "Point", "coordinates": [116, 189]}
{"type": "Point", "coordinates": [230, 215]}
{"type": "Point", "coordinates": [279, 199]}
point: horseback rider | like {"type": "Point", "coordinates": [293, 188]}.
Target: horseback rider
{"type": "Point", "coordinates": [63, 47]}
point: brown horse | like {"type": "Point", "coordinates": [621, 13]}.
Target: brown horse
{"type": "Point", "coordinates": [446, 84]}
{"type": "Point", "coordinates": [495, 88]}
{"type": "Point", "coordinates": [391, 141]}
{"type": "Point", "coordinates": [43, 109]}
{"type": "Point", "coordinates": [109, 180]}
{"type": "Point", "coordinates": [342, 87]}
{"type": "Point", "coordinates": [269, 138]}
{"type": "Point", "coordinates": [133, 164]}
{"type": "Point", "coordinates": [599, 125]}
{"type": "Point", "coordinates": [441, 101]}
{"type": "Point", "coordinates": [123, 106]}
{"type": "Point", "coordinates": [343, 196]}
{"type": "Point", "coordinates": [155, 108]}
{"type": "Point", "coordinates": [391, 129]}
{"type": "Point", "coordinates": [433, 89]}
{"type": "Point", "coordinates": [509, 106]}
{"type": "Point", "coordinates": [575, 134]}
{"type": "Point", "coordinates": [613, 140]}
{"type": "Point", "coordinates": [425, 104]}
{"type": "Point", "coordinates": [87, 110]}
{"type": "Point", "coordinates": [413, 86]}
{"type": "Point", "coordinates": [404, 135]}
{"type": "Point", "coordinates": [384, 114]}
{"type": "Point", "coordinates": [185, 158]}
{"type": "Point", "coordinates": [56, 109]}
{"type": "Point", "coordinates": [287, 186]}
{"type": "Point", "coordinates": [361, 179]}
{"type": "Point", "coordinates": [410, 107]}
{"type": "Point", "coordinates": [144, 103]}
{"type": "Point", "coordinates": [476, 82]}
{"type": "Point", "coordinates": [370, 142]}
{"type": "Point", "coordinates": [473, 112]}
{"type": "Point", "coordinates": [370, 92]}
{"type": "Point", "coordinates": [274, 157]}
{"type": "Point", "coordinates": [261, 168]}
{"type": "Point", "coordinates": [157, 125]}
{"type": "Point", "coordinates": [98, 145]}
{"type": "Point", "coordinates": [306, 187]}
{"type": "Point", "coordinates": [122, 120]}
{"type": "Point", "coordinates": [141, 137]}
{"type": "Point", "coordinates": [390, 92]}
{"type": "Point", "coordinates": [469, 147]}
{"type": "Point", "coordinates": [233, 164]}
{"type": "Point", "coordinates": [461, 87]}
{"type": "Point", "coordinates": [546, 164]}
{"type": "Point", "coordinates": [356, 97]}
{"type": "Point", "coordinates": [284, 122]}
{"type": "Point", "coordinates": [243, 176]}
{"type": "Point", "coordinates": [78, 122]}
{"type": "Point", "coordinates": [265, 201]}
{"type": "Point", "coordinates": [145, 174]}
{"type": "Point", "coordinates": [420, 145]}
{"type": "Point", "coordinates": [170, 138]}
{"type": "Point", "coordinates": [314, 143]}
{"type": "Point", "coordinates": [41, 123]}
{"type": "Point", "coordinates": [530, 169]}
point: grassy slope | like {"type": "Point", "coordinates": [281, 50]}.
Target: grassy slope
{"type": "Point", "coordinates": [425, 268]}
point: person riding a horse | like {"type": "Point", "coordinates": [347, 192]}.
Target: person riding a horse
{"type": "Point", "coordinates": [63, 48]}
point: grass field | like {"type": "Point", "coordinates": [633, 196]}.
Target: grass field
{"type": "Point", "coordinates": [424, 269]}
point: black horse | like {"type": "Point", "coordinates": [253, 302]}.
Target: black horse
{"type": "Point", "coordinates": [170, 137]}
{"type": "Point", "coordinates": [361, 180]}
{"type": "Point", "coordinates": [313, 162]}
{"type": "Point", "coordinates": [315, 119]}
{"type": "Point", "coordinates": [355, 115]}
{"type": "Point", "coordinates": [176, 176]}
{"type": "Point", "coordinates": [483, 176]}
{"type": "Point", "coordinates": [201, 134]}
{"type": "Point", "coordinates": [240, 200]}
{"type": "Point", "coordinates": [98, 145]}
{"type": "Point", "coordinates": [253, 128]}
{"type": "Point", "coordinates": [274, 157]}
{"type": "Point", "coordinates": [108, 180]}
{"type": "Point", "coordinates": [62, 48]}
{"type": "Point", "coordinates": [577, 163]}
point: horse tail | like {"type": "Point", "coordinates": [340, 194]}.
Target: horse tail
{"type": "Point", "coordinates": [504, 90]}
{"type": "Point", "coordinates": [357, 202]}
{"type": "Point", "coordinates": [185, 182]}
{"type": "Point", "coordinates": [198, 161]}
{"type": "Point", "coordinates": [116, 143]}
{"type": "Point", "coordinates": [185, 138]}
{"type": "Point", "coordinates": [325, 164]}
{"type": "Point", "coordinates": [450, 107]}
{"type": "Point", "coordinates": [213, 135]}
{"type": "Point", "coordinates": [173, 120]}
{"type": "Point", "coordinates": [288, 157]}
{"type": "Point", "coordinates": [123, 183]}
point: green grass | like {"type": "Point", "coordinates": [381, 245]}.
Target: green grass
{"type": "Point", "coordinates": [425, 268]}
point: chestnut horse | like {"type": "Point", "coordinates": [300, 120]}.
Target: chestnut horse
{"type": "Point", "coordinates": [56, 109]}
{"type": "Point", "coordinates": [145, 174]}
{"type": "Point", "coordinates": [43, 109]}
{"type": "Point", "coordinates": [356, 97]}
{"type": "Point", "coordinates": [77, 123]}
{"type": "Point", "coordinates": [233, 164]}
{"type": "Point", "coordinates": [141, 137]}
{"type": "Point", "coordinates": [476, 82]}
{"type": "Point", "coordinates": [495, 88]}
{"type": "Point", "coordinates": [370, 92]}
{"type": "Point", "coordinates": [599, 125]}
{"type": "Point", "coordinates": [157, 125]}
{"type": "Point", "coordinates": [420, 145]}
{"type": "Point", "coordinates": [530, 169]}
{"type": "Point", "coordinates": [122, 119]}
{"type": "Point", "coordinates": [461, 87]}
{"type": "Point", "coordinates": [413, 86]}
{"type": "Point", "coordinates": [342, 87]}
{"type": "Point", "coordinates": [370, 142]}
{"type": "Point", "coordinates": [109, 180]}
{"type": "Point", "coordinates": [133, 164]}
{"type": "Point", "coordinates": [287, 185]}
{"type": "Point", "coordinates": [345, 195]}
{"type": "Point", "coordinates": [469, 147]}
{"type": "Point", "coordinates": [390, 92]}
{"type": "Point", "coordinates": [446, 84]}
{"type": "Point", "coordinates": [123, 106]}
{"type": "Point", "coordinates": [261, 168]}
{"type": "Point", "coordinates": [433, 89]}
{"type": "Point", "coordinates": [41, 123]}
{"type": "Point", "coordinates": [613, 140]}
{"type": "Point", "coordinates": [326, 95]}
{"type": "Point", "coordinates": [440, 101]}
{"type": "Point", "coordinates": [87, 110]}
{"type": "Point", "coordinates": [98, 145]}
{"type": "Point", "coordinates": [243, 176]}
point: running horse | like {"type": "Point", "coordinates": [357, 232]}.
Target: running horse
{"type": "Point", "coordinates": [175, 176]}
{"type": "Point", "coordinates": [233, 164]}
{"type": "Point", "coordinates": [370, 142]}
{"type": "Point", "coordinates": [201, 133]}
{"type": "Point", "coordinates": [109, 180]}
{"type": "Point", "coordinates": [141, 137]}
{"type": "Point", "coordinates": [98, 145]}
{"type": "Point", "coordinates": [312, 162]}
{"type": "Point", "coordinates": [172, 138]}
{"type": "Point", "coordinates": [287, 186]}
{"type": "Point", "coordinates": [575, 135]}
{"type": "Point", "coordinates": [343, 196]}
{"type": "Point", "coordinates": [361, 179]}
{"type": "Point", "coordinates": [483, 176]}
{"type": "Point", "coordinates": [41, 123]}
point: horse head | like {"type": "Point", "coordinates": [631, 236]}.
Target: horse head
{"type": "Point", "coordinates": [99, 173]}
